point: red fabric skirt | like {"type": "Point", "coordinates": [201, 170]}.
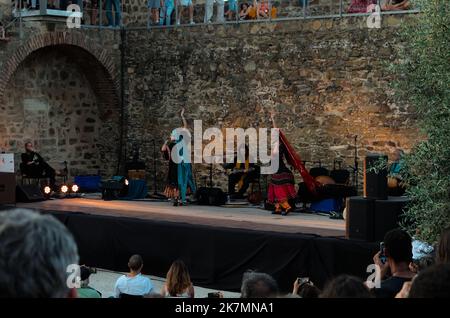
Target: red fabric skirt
{"type": "Point", "coordinates": [280, 193]}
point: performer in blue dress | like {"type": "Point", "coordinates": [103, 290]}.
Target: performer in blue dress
{"type": "Point", "coordinates": [180, 180]}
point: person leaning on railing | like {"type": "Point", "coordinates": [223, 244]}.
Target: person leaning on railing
{"type": "Point", "coordinates": [260, 10]}
{"type": "Point", "coordinates": [395, 5]}
{"type": "Point", "coordinates": [360, 6]}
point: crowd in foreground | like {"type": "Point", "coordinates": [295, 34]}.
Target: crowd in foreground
{"type": "Point", "coordinates": [40, 244]}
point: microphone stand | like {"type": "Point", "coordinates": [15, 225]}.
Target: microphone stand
{"type": "Point", "coordinates": [155, 185]}
{"type": "Point", "coordinates": [356, 168]}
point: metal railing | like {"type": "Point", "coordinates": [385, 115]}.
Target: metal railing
{"type": "Point", "coordinates": [175, 13]}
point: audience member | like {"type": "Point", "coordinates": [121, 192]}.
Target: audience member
{"type": "Point", "coordinates": [178, 282]}
{"type": "Point", "coordinates": [305, 289]}
{"type": "Point", "coordinates": [209, 8]}
{"type": "Point", "coordinates": [181, 7]}
{"type": "Point", "coordinates": [117, 12]}
{"type": "Point", "coordinates": [231, 9]}
{"type": "Point", "coordinates": [443, 248]}
{"type": "Point", "coordinates": [244, 11]}
{"type": "Point", "coordinates": [165, 14]}
{"type": "Point", "coordinates": [258, 285]}
{"type": "Point", "coordinates": [85, 291]}
{"type": "Point", "coordinates": [133, 283]}
{"type": "Point", "coordinates": [398, 252]}
{"type": "Point", "coordinates": [35, 252]}
{"type": "Point", "coordinates": [395, 5]}
{"type": "Point", "coordinates": [346, 286]}
{"type": "Point", "coordinates": [360, 6]}
{"type": "Point", "coordinates": [433, 282]}
{"type": "Point", "coordinates": [418, 265]}
{"type": "Point", "coordinates": [154, 6]}
{"type": "Point", "coordinates": [2, 32]}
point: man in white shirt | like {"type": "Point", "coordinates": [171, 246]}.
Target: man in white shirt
{"type": "Point", "coordinates": [133, 283]}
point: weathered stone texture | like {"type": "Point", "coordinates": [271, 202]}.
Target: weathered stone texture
{"type": "Point", "coordinates": [325, 78]}
{"type": "Point", "coordinates": [49, 103]}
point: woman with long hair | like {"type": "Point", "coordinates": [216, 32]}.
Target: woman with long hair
{"type": "Point", "coordinates": [178, 281]}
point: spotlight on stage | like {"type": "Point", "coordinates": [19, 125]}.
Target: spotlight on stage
{"type": "Point", "coordinates": [64, 189]}
{"type": "Point", "coordinates": [47, 192]}
{"type": "Point", "coordinates": [75, 188]}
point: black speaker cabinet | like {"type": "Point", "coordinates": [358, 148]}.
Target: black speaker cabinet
{"type": "Point", "coordinates": [29, 193]}
{"type": "Point", "coordinates": [375, 182]}
{"type": "Point", "coordinates": [369, 220]}
{"type": "Point", "coordinates": [7, 188]}
{"type": "Point", "coordinates": [387, 216]}
{"type": "Point", "coordinates": [359, 220]}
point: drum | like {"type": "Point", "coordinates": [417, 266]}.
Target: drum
{"type": "Point", "coordinates": [325, 180]}
{"type": "Point", "coordinates": [392, 182]}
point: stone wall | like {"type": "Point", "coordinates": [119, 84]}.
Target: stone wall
{"type": "Point", "coordinates": [49, 104]}
{"type": "Point", "coordinates": [325, 78]}
{"type": "Point", "coordinates": [60, 89]}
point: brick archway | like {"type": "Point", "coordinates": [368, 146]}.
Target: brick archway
{"type": "Point", "coordinates": [106, 85]}
{"type": "Point", "coordinates": [97, 66]}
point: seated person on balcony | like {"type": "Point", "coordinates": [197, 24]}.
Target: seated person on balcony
{"type": "Point", "coordinates": [242, 174]}
{"type": "Point", "coordinates": [395, 5]}
{"type": "Point", "coordinates": [260, 10]}
{"type": "Point", "coordinates": [33, 165]}
{"type": "Point", "coordinates": [360, 6]}
{"type": "Point", "coordinates": [245, 11]}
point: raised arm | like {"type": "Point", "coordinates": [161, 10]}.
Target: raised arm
{"type": "Point", "coordinates": [272, 117]}
{"type": "Point", "coordinates": [185, 125]}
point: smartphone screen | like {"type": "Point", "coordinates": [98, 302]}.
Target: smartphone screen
{"type": "Point", "coordinates": [382, 254]}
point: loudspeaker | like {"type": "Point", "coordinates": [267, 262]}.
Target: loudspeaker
{"type": "Point", "coordinates": [29, 193]}
{"type": "Point", "coordinates": [359, 220]}
{"type": "Point", "coordinates": [388, 214]}
{"type": "Point", "coordinates": [7, 188]}
{"type": "Point", "coordinates": [210, 196]}
{"type": "Point", "coordinates": [375, 183]}
{"type": "Point", "coordinates": [369, 220]}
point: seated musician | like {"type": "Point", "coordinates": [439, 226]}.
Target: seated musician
{"type": "Point", "coordinates": [242, 174]}
{"type": "Point", "coordinates": [33, 165]}
{"type": "Point", "coordinates": [395, 185]}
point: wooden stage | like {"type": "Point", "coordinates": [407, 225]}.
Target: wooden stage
{"type": "Point", "coordinates": [235, 216]}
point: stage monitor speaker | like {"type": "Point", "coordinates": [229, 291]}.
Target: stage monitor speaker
{"type": "Point", "coordinates": [359, 220]}
{"type": "Point", "coordinates": [369, 219]}
{"type": "Point", "coordinates": [375, 182]}
{"type": "Point", "coordinates": [29, 193]}
{"type": "Point", "coordinates": [388, 214]}
{"type": "Point", "coordinates": [7, 188]}
{"type": "Point", "coordinates": [210, 196]}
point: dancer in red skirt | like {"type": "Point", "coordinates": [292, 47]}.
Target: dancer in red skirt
{"type": "Point", "coordinates": [282, 184]}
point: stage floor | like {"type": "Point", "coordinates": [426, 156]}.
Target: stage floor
{"type": "Point", "coordinates": [242, 217]}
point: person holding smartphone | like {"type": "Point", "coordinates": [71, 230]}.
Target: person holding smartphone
{"type": "Point", "coordinates": [394, 271]}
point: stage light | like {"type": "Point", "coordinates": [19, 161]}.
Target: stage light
{"type": "Point", "coordinates": [75, 188]}
{"type": "Point", "coordinates": [64, 188]}
{"type": "Point", "coordinates": [127, 182]}
{"type": "Point", "coordinates": [47, 190]}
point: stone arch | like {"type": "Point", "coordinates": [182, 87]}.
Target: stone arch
{"type": "Point", "coordinates": [76, 39]}
{"type": "Point", "coordinates": [91, 60]}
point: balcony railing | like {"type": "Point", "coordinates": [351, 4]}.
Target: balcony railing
{"type": "Point", "coordinates": [174, 13]}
